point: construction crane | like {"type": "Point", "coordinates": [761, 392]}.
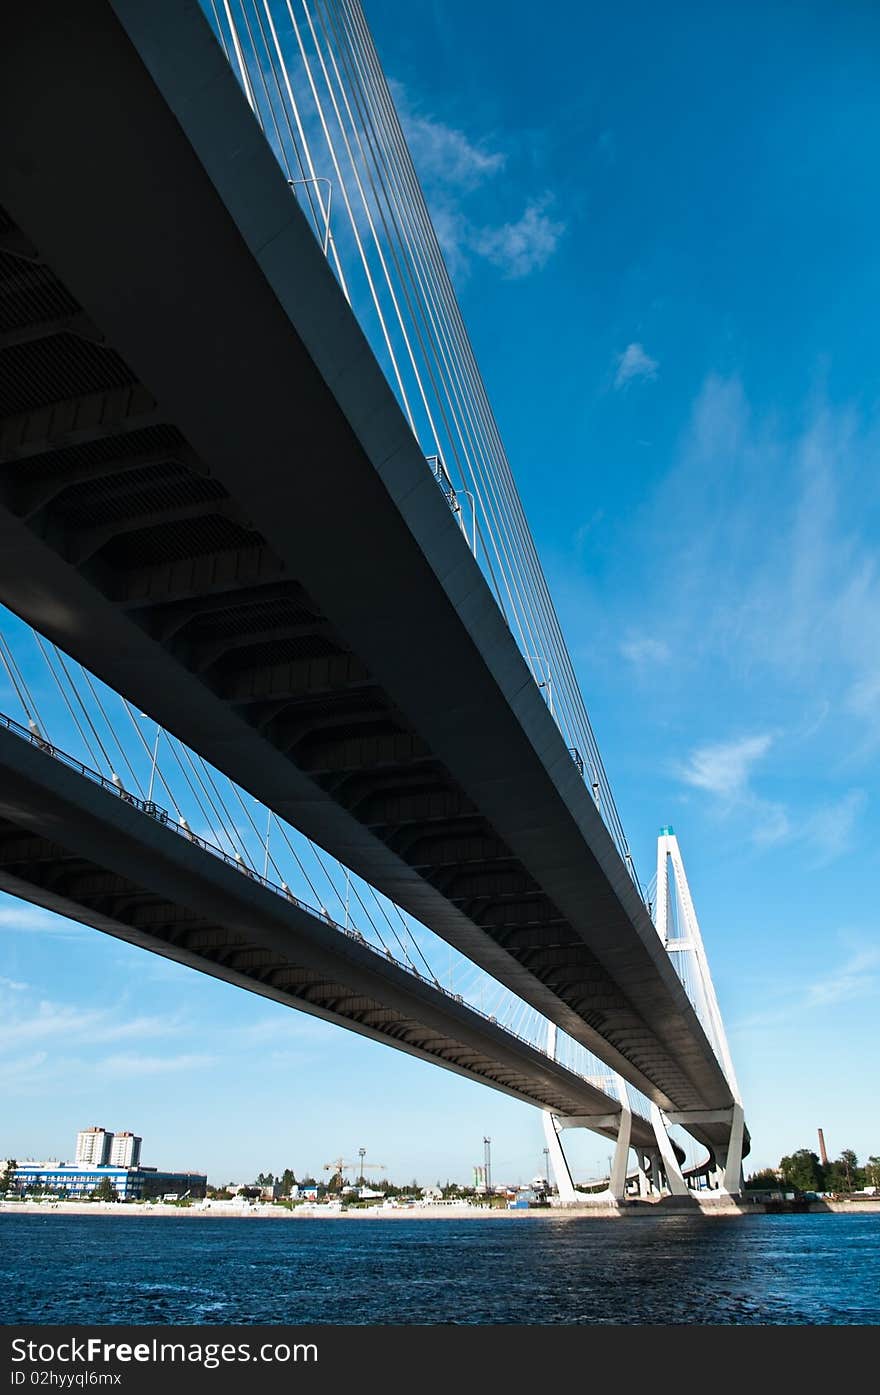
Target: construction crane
{"type": "Point", "coordinates": [336, 1168]}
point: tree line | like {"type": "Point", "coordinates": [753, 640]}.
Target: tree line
{"type": "Point", "coordinates": [804, 1171]}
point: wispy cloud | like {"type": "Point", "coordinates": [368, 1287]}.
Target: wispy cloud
{"type": "Point", "coordinates": [44, 1021]}
{"type": "Point", "coordinates": [126, 1065]}
{"type": "Point", "coordinates": [634, 363]}
{"type": "Point", "coordinates": [644, 651]}
{"type": "Point", "coordinates": [523, 246]}
{"type": "Point", "coordinates": [724, 768]}
{"type": "Point", "coordinates": [829, 830]}
{"type": "Point", "coordinates": [442, 153]}
{"type": "Point", "coordinates": [455, 169]}
{"type": "Point", "coordinates": [857, 977]}
{"type": "Point", "coordinates": [33, 920]}
{"type": "Point", "coordinates": [12, 985]}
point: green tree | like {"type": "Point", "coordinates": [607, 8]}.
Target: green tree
{"type": "Point", "coordinates": [850, 1165]}
{"type": "Point", "coordinates": [105, 1191]}
{"type": "Point", "coordinates": [763, 1179]}
{"type": "Point", "coordinates": [801, 1171]}
{"type": "Point", "coordinates": [872, 1171]}
{"type": "Point", "coordinates": [288, 1181]}
{"type": "Point", "coordinates": [7, 1176]}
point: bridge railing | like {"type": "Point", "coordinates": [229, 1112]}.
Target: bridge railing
{"type": "Point", "coordinates": [149, 808]}
{"type": "Point", "coordinates": [313, 80]}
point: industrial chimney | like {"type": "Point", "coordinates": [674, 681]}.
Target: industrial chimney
{"type": "Point", "coordinates": [823, 1156]}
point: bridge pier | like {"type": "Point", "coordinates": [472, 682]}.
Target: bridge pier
{"type": "Point", "coordinates": [671, 1166]}
{"type": "Point", "coordinates": [727, 1175]}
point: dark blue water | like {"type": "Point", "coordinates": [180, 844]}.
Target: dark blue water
{"type": "Point", "coordinates": [805, 1269]}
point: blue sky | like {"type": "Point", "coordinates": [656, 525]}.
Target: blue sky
{"type": "Point", "coordinates": [662, 228]}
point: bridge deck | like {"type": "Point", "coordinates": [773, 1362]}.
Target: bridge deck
{"type": "Point", "coordinates": [209, 495]}
{"type": "Point", "coordinates": [74, 847]}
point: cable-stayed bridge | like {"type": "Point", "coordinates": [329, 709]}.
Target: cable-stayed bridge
{"type": "Point", "coordinates": [223, 431]}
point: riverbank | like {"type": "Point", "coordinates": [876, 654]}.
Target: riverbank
{"type": "Point", "coordinates": [691, 1206]}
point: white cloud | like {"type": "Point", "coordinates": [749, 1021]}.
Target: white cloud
{"type": "Point", "coordinates": [47, 1021]}
{"type": "Point", "coordinates": [524, 246]}
{"type": "Point", "coordinates": [443, 154]}
{"type": "Point", "coordinates": [33, 920]}
{"type": "Point", "coordinates": [634, 363]}
{"type": "Point", "coordinates": [128, 1065]}
{"type": "Point", "coordinates": [724, 768]}
{"type": "Point", "coordinates": [12, 985]}
{"type": "Point", "coordinates": [643, 650]}
{"type": "Point", "coordinates": [454, 169]}
{"type": "Point", "coordinates": [856, 978]}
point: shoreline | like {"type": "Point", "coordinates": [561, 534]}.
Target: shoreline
{"type": "Point", "coordinates": [720, 1207]}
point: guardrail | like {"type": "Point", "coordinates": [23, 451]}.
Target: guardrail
{"type": "Point", "coordinates": [155, 811]}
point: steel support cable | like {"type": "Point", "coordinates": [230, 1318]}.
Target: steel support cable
{"type": "Point", "coordinates": [220, 35]}
{"type": "Point", "coordinates": [352, 885]}
{"type": "Point", "coordinates": [242, 67]}
{"type": "Point", "coordinates": [366, 206]}
{"type": "Point", "coordinates": [480, 479]}
{"type": "Point", "coordinates": [87, 677]}
{"type": "Point", "coordinates": [223, 836]}
{"type": "Point", "coordinates": [304, 143]}
{"type": "Point", "coordinates": [262, 840]}
{"type": "Point", "coordinates": [159, 773]}
{"type": "Point", "coordinates": [351, 218]}
{"type": "Point", "coordinates": [530, 641]}
{"type": "Point", "coordinates": [534, 645]}
{"type": "Point", "coordinates": [335, 890]}
{"type": "Point", "coordinates": [67, 703]}
{"type": "Point", "coordinates": [281, 153]}
{"type": "Point", "coordinates": [483, 494]}
{"type": "Point", "coordinates": [230, 826]}
{"type": "Point", "coordinates": [350, 157]}
{"type": "Point", "coordinates": [292, 850]}
{"type": "Point", "coordinates": [318, 899]}
{"type": "Point", "coordinates": [393, 148]}
{"type": "Point", "coordinates": [406, 927]}
{"type": "Point", "coordinates": [270, 858]}
{"type": "Point", "coordinates": [419, 302]}
{"type": "Point", "coordinates": [197, 793]}
{"type": "Point", "coordinates": [76, 693]}
{"type": "Point", "coordinates": [309, 186]}
{"type": "Point", "coordinates": [560, 663]}
{"type": "Point", "coordinates": [20, 687]}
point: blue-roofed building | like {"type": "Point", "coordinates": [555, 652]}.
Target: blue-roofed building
{"type": "Point", "coordinates": [129, 1183]}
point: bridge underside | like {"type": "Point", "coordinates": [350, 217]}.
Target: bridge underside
{"type": "Point", "coordinates": [209, 496]}
{"type": "Point", "coordinates": [77, 849]}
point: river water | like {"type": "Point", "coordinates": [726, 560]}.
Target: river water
{"type": "Point", "coordinates": [776, 1269]}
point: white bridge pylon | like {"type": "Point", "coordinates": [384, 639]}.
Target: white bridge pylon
{"type": "Point", "coordinates": [660, 1170]}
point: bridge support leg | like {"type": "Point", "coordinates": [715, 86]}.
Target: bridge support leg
{"type": "Point", "coordinates": [674, 1179]}
{"type": "Point", "coordinates": [730, 1166]}
{"type": "Point", "coordinates": [643, 1163]}
{"type": "Point", "coordinates": [558, 1165]}
{"type": "Point", "coordinates": [617, 1181]}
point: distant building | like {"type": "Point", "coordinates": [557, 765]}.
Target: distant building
{"type": "Point", "coordinates": [93, 1146]}
{"type": "Point", "coordinates": [125, 1150]}
{"type": "Point", "coordinates": [129, 1183]}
